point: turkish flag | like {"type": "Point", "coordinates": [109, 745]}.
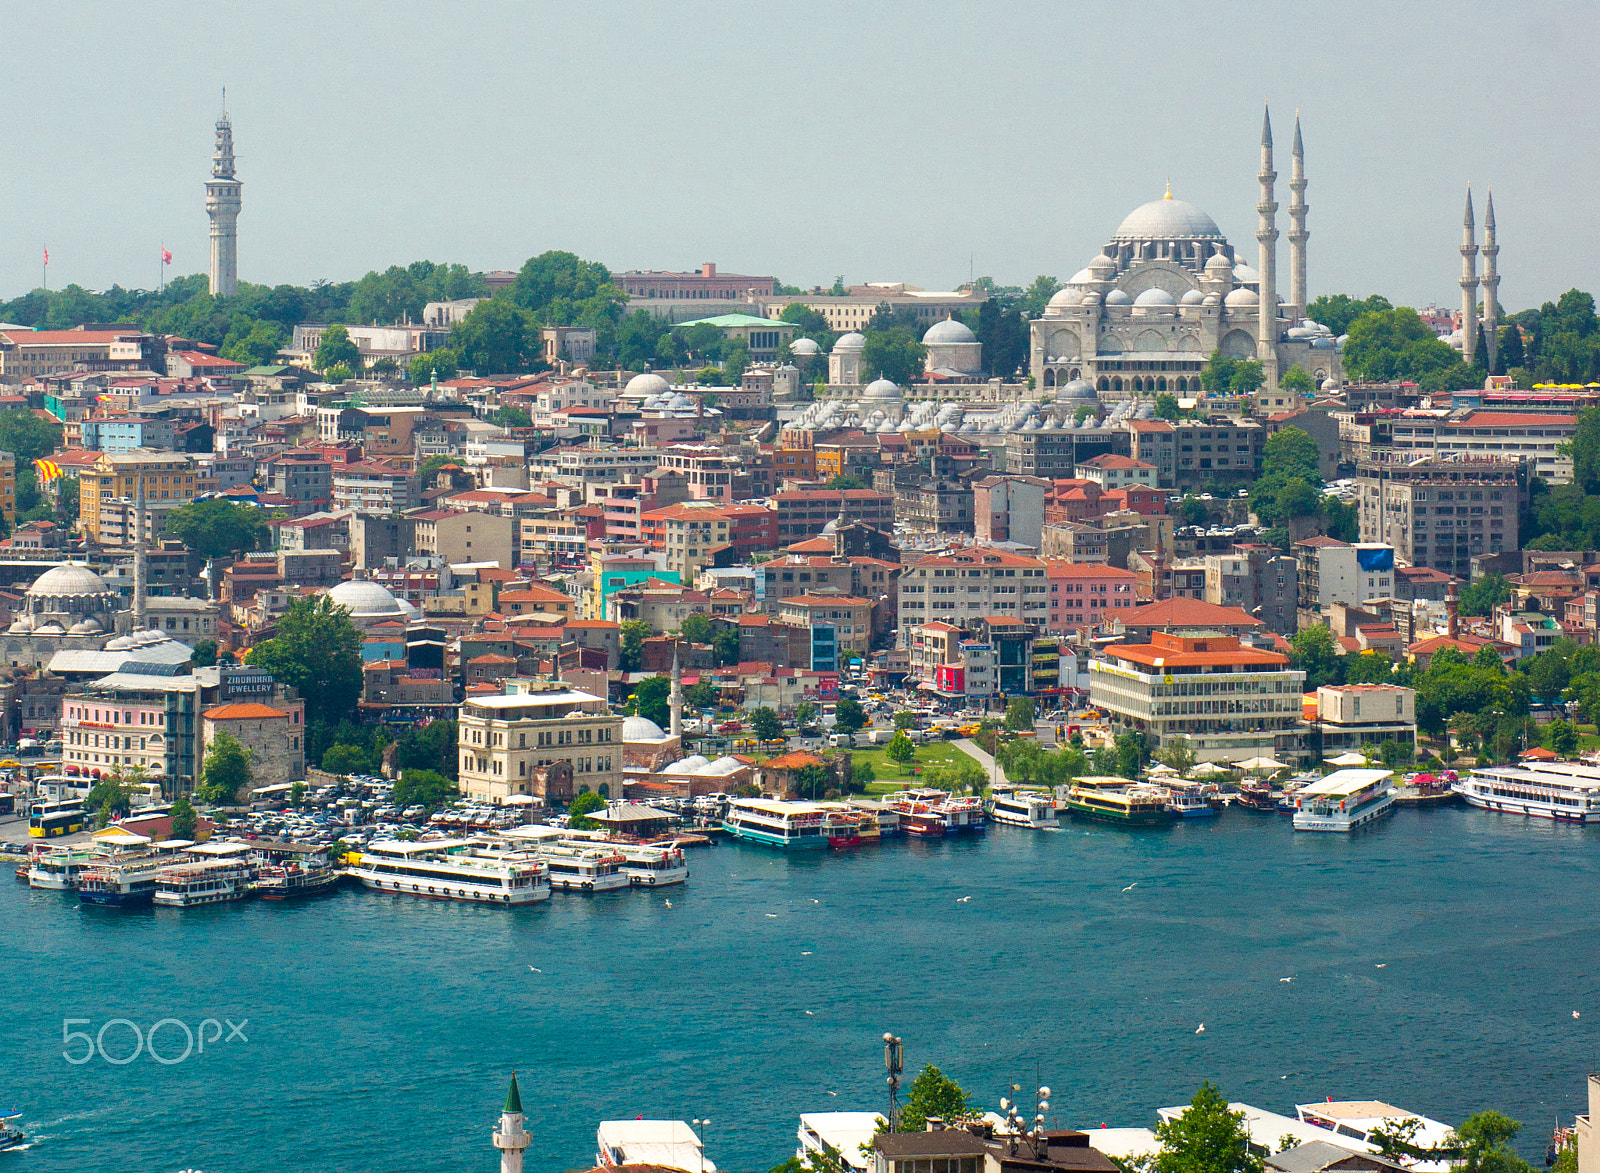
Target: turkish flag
{"type": "Point", "coordinates": [166, 257]}
{"type": "Point", "coordinates": [47, 254]}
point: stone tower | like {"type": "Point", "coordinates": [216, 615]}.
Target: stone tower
{"type": "Point", "coordinates": [1491, 285]}
{"type": "Point", "coordinates": [1469, 284]}
{"type": "Point", "coordinates": [1267, 236]}
{"type": "Point", "coordinates": [222, 205]}
{"type": "Point", "coordinates": [510, 1138]}
{"type": "Point", "coordinates": [675, 697]}
{"type": "Point", "coordinates": [1297, 225]}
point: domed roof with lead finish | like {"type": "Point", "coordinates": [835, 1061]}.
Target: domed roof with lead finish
{"type": "Point", "coordinates": [948, 331]}
{"type": "Point", "coordinates": [1168, 219]}
{"type": "Point", "coordinates": [70, 578]}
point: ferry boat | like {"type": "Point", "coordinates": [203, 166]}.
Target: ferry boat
{"type": "Point", "coordinates": [1119, 802]}
{"type": "Point", "coordinates": [1567, 791]}
{"type": "Point", "coordinates": [591, 868]}
{"type": "Point", "coordinates": [844, 827]}
{"type": "Point", "coordinates": [127, 883]}
{"type": "Point", "coordinates": [1258, 797]}
{"type": "Point", "coordinates": [884, 813]}
{"type": "Point", "coordinates": [1024, 808]}
{"type": "Point", "coordinates": [209, 881]}
{"type": "Point", "coordinates": [1189, 802]}
{"type": "Point", "coordinates": [653, 865]}
{"type": "Point", "coordinates": [296, 878]}
{"type": "Point", "coordinates": [454, 869]}
{"type": "Point", "coordinates": [59, 870]}
{"type": "Point", "coordinates": [793, 826]}
{"type": "Point", "coordinates": [11, 1137]}
{"type": "Point", "coordinates": [1345, 800]}
{"type": "Point", "coordinates": [964, 815]}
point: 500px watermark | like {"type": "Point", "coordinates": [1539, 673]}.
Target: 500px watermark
{"type": "Point", "coordinates": [194, 1041]}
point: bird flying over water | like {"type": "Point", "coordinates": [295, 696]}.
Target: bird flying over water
{"type": "Point", "coordinates": [535, 969]}
{"type": "Point", "coordinates": [1575, 1014]}
{"type": "Point", "coordinates": [1287, 979]}
{"type": "Point", "coordinates": [805, 953]}
{"type": "Point", "coordinates": [772, 916]}
{"type": "Point", "coordinates": [1380, 965]}
{"type": "Point", "coordinates": [962, 899]}
{"type": "Point", "coordinates": [1131, 886]}
{"type": "Point", "coordinates": [810, 1012]}
{"type": "Point", "coordinates": [833, 1093]}
{"type": "Point", "coordinates": [669, 904]}
{"type": "Point", "coordinates": [1201, 1029]}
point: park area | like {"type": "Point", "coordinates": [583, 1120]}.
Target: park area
{"type": "Point", "coordinates": [891, 775]}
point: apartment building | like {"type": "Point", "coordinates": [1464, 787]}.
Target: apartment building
{"type": "Point", "coordinates": [960, 584]}
{"type": "Point", "coordinates": [1404, 436]}
{"type": "Point", "coordinates": [840, 627]}
{"type": "Point", "coordinates": [374, 487]}
{"type": "Point", "coordinates": [169, 480]}
{"type": "Point", "coordinates": [1187, 454]}
{"type": "Point", "coordinates": [1054, 453]}
{"type": "Point", "coordinates": [504, 739]}
{"type": "Point", "coordinates": [1259, 580]}
{"type": "Point", "coordinates": [692, 532]}
{"type": "Point", "coordinates": [26, 354]}
{"type": "Point", "coordinates": [710, 473]}
{"type": "Point", "coordinates": [1442, 513]}
{"type": "Point", "coordinates": [465, 537]}
{"type": "Point", "coordinates": [1226, 702]}
{"type": "Point", "coordinates": [1009, 509]}
{"type": "Point", "coordinates": [801, 513]}
{"type": "Point", "coordinates": [1083, 592]}
{"type": "Point", "coordinates": [1331, 571]}
{"type": "Point", "coordinates": [1116, 472]}
{"type": "Point", "coordinates": [302, 478]}
{"type": "Point", "coordinates": [593, 464]}
{"type": "Point", "coordinates": [1350, 716]}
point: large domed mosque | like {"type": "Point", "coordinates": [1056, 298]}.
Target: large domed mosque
{"type": "Point", "coordinates": [72, 622]}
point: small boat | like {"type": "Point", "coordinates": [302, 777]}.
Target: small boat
{"type": "Point", "coordinates": [210, 881]}
{"type": "Point", "coordinates": [1258, 797]}
{"type": "Point", "coordinates": [1024, 808]}
{"type": "Point", "coordinates": [843, 827]}
{"type": "Point", "coordinates": [591, 868]}
{"type": "Point", "coordinates": [125, 884]}
{"type": "Point", "coordinates": [1189, 802]}
{"type": "Point", "coordinates": [653, 865]}
{"type": "Point", "coordinates": [11, 1137]}
{"type": "Point", "coordinates": [290, 881]}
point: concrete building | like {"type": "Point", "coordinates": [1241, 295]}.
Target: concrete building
{"type": "Point", "coordinates": [1442, 513]}
{"type": "Point", "coordinates": [504, 739]}
{"type": "Point", "coordinates": [1332, 572]}
{"type": "Point", "coordinates": [1225, 701]}
{"type": "Point", "coordinates": [1116, 472]}
{"type": "Point", "coordinates": [692, 533]}
{"type": "Point", "coordinates": [109, 490]}
{"type": "Point", "coordinates": [455, 537]}
{"type": "Point", "coordinates": [803, 513]}
{"type": "Point", "coordinates": [223, 202]}
{"type": "Point", "coordinates": [374, 487]}
{"type": "Point", "coordinates": [1009, 509]}
{"type": "Point", "coordinates": [840, 627]}
{"type": "Point", "coordinates": [1258, 580]}
{"type": "Point", "coordinates": [1350, 716]}
{"type": "Point", "coordinates": [960, 584]}
{"type": "Point", "coordinates": [1086, 592]}
{"type": "Point", "coordinates": [1055, 453]}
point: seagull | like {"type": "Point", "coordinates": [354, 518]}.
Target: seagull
{"type": "Point", "coordinates": [669, 904]}
{"type": "Point", "coordinates": [962, 899]}
{"type": "Point", "coordinates": [805, 953]}
{"type": "Point", "coordinates": [833, 1093]}
{"type": "Point", "coordinates": [816, 902]}
{"type": "Point", "coordinates": [1575, 1014]}
{"type": "Point", "coordinates": [1380, 965]}
{"type": "Point", "coordinates": [1131, 886]}
{"type": "Point", "coordinates": [810, 1012]}
{"type": "Point", "coordinates": [1201, 1029]}
{"type": "Point", "coordinates": [1287, 979]}
{"type": "Point", "coordinates": [772, 916]}
{"type": "Point", "coordinates": [535, 969]}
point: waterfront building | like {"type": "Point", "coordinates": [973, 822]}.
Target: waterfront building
{"type": "Point", "coordinates": [273, 737]}
{"type": "Point", "coordinates": [1350, 716]}
{"type": "Point", "coordinates": [504, 739]}
{"type": "Point", "coordinates": [1224, 701]}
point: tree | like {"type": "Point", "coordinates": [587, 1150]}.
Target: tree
{"type": "Point", "coordinates": [1179, 755]}
{"type": "Point", "coordinates": [227, 770]}
{"type": "Point", "coordinates": [498, 337]}
{"type": "Point", "coordinates": [578, 813]}
{"type": "Point", "coordinates": [1484, 1140]}
{"type": "Point", "coordinates": [811, 781]}
{"type": "Point", "coordinates": [26, 436]}
{"type": "Point", "coordinates": [894, 354]}
{"type": "Point", "coordinates": [905, 719]}
{"type": "Point", "coordinates": [1336, 311]}
{"type": "Point", "coordinates": [185, 822]}
{"type": "Point", "coordinates": [726, 645]}
{"type": "Point", "coordinates": [1206, 1138]}
{"type": "Point", "coordinates": [805, 713]}
{"type": "Point", "coordinates": [1132, 753]}
{"type": "Point", "coordinates": [253, 343]}
{"type": "Point", "coordinates": [430, 747]}
{"type": "Point", "coordinates": [696, 629]}
{"type": "Point", "coordinates": [1166, 406]}
{"type": "Point", "coordinates": [1192, 511]}
{"type": "Point", "coordinates": [1298, 380]}
{"type": "Point", "coordinates": [317, 651]}
{"type": "Point", "coordinates": [215, 528]}
{"type": "Point", "coordinates": [113, 794]}
{"type": "Point", "coordinates": [701, 695]}
{"type": "Point", "coordinates": [1313, 653]}
{"type": "Point", "coordinates": [1561, 737]}
{"type": "Point", "coordinates": [297, 792]}
{"type": "Point", "coordinates": [900, 748]}
{"type": "Point", "coordinates": [634, 632]}
{"type": "Point", "coordinates": [338, 373]}
{"type": "Point", "coordinates": [427, 788]}
{"type": "Point", "coordinates": [863, 775]}
{"type": "Point", "coordinates": [1484, 595]}
{"type": "Point", "coordinates": [1395, 344]}
{"type": "Point", "coordinates": [336, 349]}
{"type": "Point", "coordinates": [651, 697]}
{"type": "Point", "coordinates": [440, 364]}
{"type": "Point", "coordinates": [561, 289]}
{"type": "Point", "coordinates": [766, 725]}
{"type": "Point", "coordinates": [933, 1094]}
{"type": "Point", "coordinates": [347, 759]}
{"type": "Point", "coordinates": [849, 716]}
{"type": "Point", "coordinates": [205, 653]}
{"type": "Point", "coordinates": [1019, 713]}
{"type": "Point", "coordinates": [846, 482]}
{"type": "Point", "coordinates": [1368, 668]}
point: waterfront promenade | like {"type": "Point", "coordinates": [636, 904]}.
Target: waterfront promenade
{"type": "Point", "coordinates": [408, 1013]}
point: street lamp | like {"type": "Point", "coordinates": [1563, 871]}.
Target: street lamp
{"type": "Point", "coordinates": [700, 1128]}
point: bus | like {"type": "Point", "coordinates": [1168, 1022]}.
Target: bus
{"type": "Point", "coordinates": [46, 820]}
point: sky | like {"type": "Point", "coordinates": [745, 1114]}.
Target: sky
{"type": "Point", "coordinates": [920, 142]}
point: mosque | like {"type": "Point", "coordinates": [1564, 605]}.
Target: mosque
{"type": "Point", "coordinates": [70, 616]}
{"type": "Point", "coordinates": [1168, 291]}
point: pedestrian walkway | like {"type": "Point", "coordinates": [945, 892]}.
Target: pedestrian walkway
{"type": "Point", "coordinates": [991, 768]}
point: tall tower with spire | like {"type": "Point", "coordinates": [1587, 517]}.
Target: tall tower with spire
{"type": "Point", "coordinates": [1297, 224]}
{"type": "Point", "coordinates": [510, 1138]}
{"type": "Point", "coordinates": [1491, 286]}
{"type": "Point", "coordinates": [675, 697]}
{"type": "Point", "coordinates": [222, 205]}
{"type": "Point", "coordinates": [1469, 283]}
{"type": "Point", "coordinates": [1267, 237]}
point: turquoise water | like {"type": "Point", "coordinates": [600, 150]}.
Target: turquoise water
{"type": "Point", "coordinates": [381, 1029]}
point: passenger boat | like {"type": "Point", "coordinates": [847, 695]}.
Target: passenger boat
{"type": "Point", "coordinates": [870, 830]}
{"type": "Point", "coordinates": [127, 883]}
{"type": "Point", "coordinates": [653, 865]}
{"type": "Point", "coordinates": [11, 1137]}
{"type": "Point", "coordinates": [60, 869]}
{"type": "Point", "coordinates": [844, 827]}
{"type": "Point", "coordinates": [1189, 802]}
{"type": "Point", "coordinates": [1345, 800]}
{"type": "Point", "coordinates": [1566, 791]}
{"type": "Point", "coordinates": [1119, 802]}
{"type": "Point", "coordinates": [1258, 797]}
{"type": "Point", "coordinates": [454, 869]}
{"type": "Point", "coordinates": [1024, 808]}
{"type": "Point", "coordinates": [793, 826]}
{"type": "Point", "coordinates": [592, 868]}
{"type": "Point", "coordinates": [294, 879]}
{"type": "Point", "coordinates": [209, 881]}
{"type": "Point", "coordinates": [964, 816]}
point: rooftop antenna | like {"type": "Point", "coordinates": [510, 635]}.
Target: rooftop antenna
{"type": "Point", "coordinates": [894, 1062]}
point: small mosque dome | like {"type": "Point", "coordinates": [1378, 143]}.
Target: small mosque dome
{"type": "Point", "coordinates": [1092, 297]}
{"type": "Point", "coordinates": [1081, 277]}
{"type": "Point", "coordinates": [1191, 297]}
{"type": "Point", "coordinates": [648, 383]}
{"type": "Point", "coordinates": [850, 341]}
{"type": "Point", "coordinates": [948, 331]}
{"type": "Point", "coordinates": [1102, 266]}
{"type": "Point", "coordinates": [680, 402]}
{"type": "Point", "coordinates": [1242, 297]}
{"type": "Point", "coordinates": [1212, 299]}
{"type": "Point", "coordinates": [1329, 385]}
{"type": "Point", "coordinates": [1244, 274]}
{"type": "Point", "coordinates": [1065, 298]}
{"type": "Point", "coordinates": [364, 598]}
{"type": "Point", "coordinates": [1154, 297]}
{"type": "Point", "coordinates": [1219, 263]}
{"type": "Point", "coordinates": [1077, 389]}
{"type": "Point", "coordinates": [883, 388]}
{"type": "Point", "coordinates": [1300, 333]}
{"type": "Point", "coordinates": [641, 729]}
{"type": "Point", "coordinates": [804, 346]}
{"type": "Point", "coordinates": [1118, 297]}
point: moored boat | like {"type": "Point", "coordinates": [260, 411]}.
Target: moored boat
{"type": "Point", "coordinates": [653, 865]}
{"type": "Point", "coordinates": [207, 881]}
{"type": "Point", "coordinates": [1189, 802]}
{"type": "Point", "coordinates": [1257, 797]}
{"type": "Point", "coordinates": [292, 880]}
{"type": "Point", "coordinates": [1119, 802]}
{"type": "Point", "coordinates": [1024, 808]}
{"type": "Point", "coordinates": [1344, 801]}
{"type": "Point", "coordinates": [792, 826]}
{"type": "Point", "coordinates": [590, 868]}
{"type": "Point", "coordinates": [1568, 792]}
{"type": "Point", "coordinates": [454, 869]}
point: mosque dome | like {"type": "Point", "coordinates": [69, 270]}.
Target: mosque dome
{"type": "Point", "coordinates": [1067, 297]}
{"type": "Point", "coordinates": [365, 599]}
{"type": "Point", "coordinates": [1242, 297]}
{"type": "Point", "coordinates": [1081, 277]}
{"type": "Point", "coordinates": [648, 383]}
{"type": "Point", "coordinates": [850, 341]}
{"type": "Point", "coordinates": [1219, 263]}
{"type": "Point", "coordinates": [641, 729]}
{"type": "Point", "coordinates": [1077, 389]}
{"type": "Point", "coordinates": [680, 402]}
{"type": "Point", "coordinates": [1244, 274]}
{"type": "Point", "coordinates": [689, 765]}
{"type": "Point", "coordinates": [804, 346]}
{"type": "Point", "coordinates": [1329, 385]}
{"type": "Point", "coordinates": [1300, 333]}
{"type": "Point", "coordinates": [1118, 297]}
{"type": "Point", "coordinates": [948, 331]}
{"type": "Point", "coordinates": [1191, 297]}
{"type": "Point", "coordinates": [68, 579]}
{"type": "Point", "coordinates": [1102, 267]}
{"type": "Point", "coordinates": [1154, 297]}
{"type": "Point", "coordinates": [883, 388]}
{"type": "Point", "coordinates": [1211, 299]}
{"type": "Point", "coordinates": [1168, 219]}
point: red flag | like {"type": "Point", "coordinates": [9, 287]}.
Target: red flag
{"type": "Point", "coordinates": [47, 254]}
{"type": "Point", "coordinates": [166, 257]}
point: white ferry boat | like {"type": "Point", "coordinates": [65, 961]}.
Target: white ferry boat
{"type": "Point", "coordinates": [1024, 808]}
{"type": "Point", "coordinates": [793, 826]}
{"type": "Point", "coordinates": [1189, 801]}
{"type": "Point", "coordinates": [454, 869]}
{"type": "Point", "coordinates": [122, 883]}
{"type": "Point", "coordinates": [888, 818]}
{"type": "Point", "coordinates": [210, 881]}
{"type": "Point", "coordinates": [653, 866]}
{"type": "Point", "coordinates": [1344, 801]}
{"type": "Point", "coordinates": [593, 868]}
{"type": "Point", "coordinates": [1569, 791]}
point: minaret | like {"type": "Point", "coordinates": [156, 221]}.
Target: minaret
{"type": "Point", "coordinates": [139, 569]}
{"type": "Point", "coordinates": [1491, 285]}
{"type": "Point", "coordinates": [1297, 224]}
{"type": "Point", "coordinates": [510, 1138]}
{"type": "Point", "coordinates": [1469, 284]}
{"type": "Point", "coordinates": [1267, 236]}
{"type": "Point", "coordinates": [675, 698]}
{"type": "Point", "coordinates": [222, 205]}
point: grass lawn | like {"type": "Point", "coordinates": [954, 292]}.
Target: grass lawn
{"type": "Point", "coordinates": [893, 776]}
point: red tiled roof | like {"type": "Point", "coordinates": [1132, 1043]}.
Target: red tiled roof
{"type": "Point", "coordinates": [1511, 419]}
{"type": "Point", "coordinates": [1112, 460]}
{"type": "Point", "coordinates": [248, 711]}
{"type": "Point", "coordinates": [1179, 612]}
{"type": "Point", "coordinates": [1061, 568]}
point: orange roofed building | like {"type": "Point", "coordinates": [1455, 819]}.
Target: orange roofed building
{"type": "Point", "coordinates": [1225, 701]}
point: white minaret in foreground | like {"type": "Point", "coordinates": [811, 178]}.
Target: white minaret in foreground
{"type": "Point", "coordinates": [675, 698]}
{"type": "Point", "coordinates": [510, 1138]}
{"type": "Point", "coordinates": [1469, 284]}
{"type": "Point", "coordinates": [222, 205]}
{"type": "Point", "coordinates": [1267, 237]}
{"type": "Point", "coordinates": [1491, 286]}
{"type": "Point", "coordinates": [1297, 224]}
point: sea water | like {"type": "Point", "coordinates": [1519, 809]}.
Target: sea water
{"type": "Point", "coordinates": [1437, 961]}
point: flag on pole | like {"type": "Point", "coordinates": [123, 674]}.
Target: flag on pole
{"type": "Point", "coordinates": [166, 256]}
{"type": "Point", "coordinates": [47, 254]}
{"type": "Point", "coordinates": [49, 470]}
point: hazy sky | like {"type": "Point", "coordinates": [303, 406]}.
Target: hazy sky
{"type": "Point", "coordinates": [881, 141]}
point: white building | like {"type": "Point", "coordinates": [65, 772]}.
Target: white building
{"type": "Point", "coordinates": [1352, 574]}
{"type": "Point", "coordinates": [503, 739]}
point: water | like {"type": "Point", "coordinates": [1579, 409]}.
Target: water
{"type": "Point", "coordinates": [381, 1030]}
